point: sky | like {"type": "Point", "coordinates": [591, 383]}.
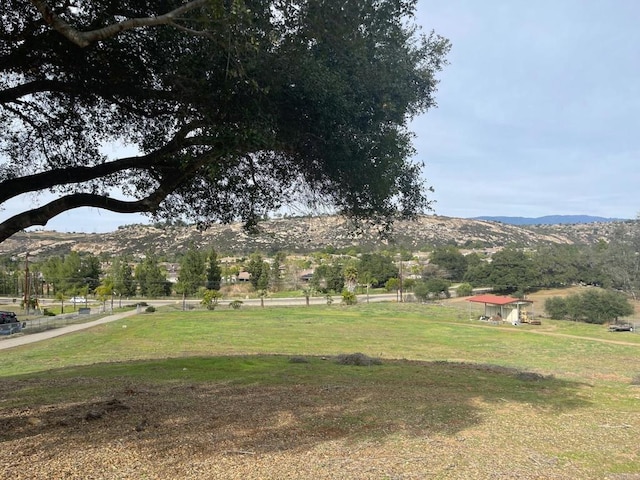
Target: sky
{"type": "Point", "coordinates": [538, 109]}
{"type": "Point", "coordinates": [538, 112]}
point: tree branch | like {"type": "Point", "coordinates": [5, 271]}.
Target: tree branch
{"type": "Point", "coordinates": [64, 176]}
{"type": "Point", "coordinates": [41, 215]}
{"type": "Point", "coordinates": [37, 86]}
{"type": "Point", "coordinates": [84, 39]}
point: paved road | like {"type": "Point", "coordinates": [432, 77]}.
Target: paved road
{"type": "Point", "coordinates": [56, 332]}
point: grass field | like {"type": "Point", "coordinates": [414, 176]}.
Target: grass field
{"type": "Point", "coordinates": [257, 393]}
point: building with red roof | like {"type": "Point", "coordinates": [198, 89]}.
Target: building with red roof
{"type": "Point", "coordinates": [507, 309]}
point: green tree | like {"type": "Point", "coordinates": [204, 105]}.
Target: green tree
{"type": "Point", "coordinates": [73, 273]}
{"type": "Point", "coordinates": [511, 270]}
{"type": "Point", "coordinates": [104, 291]}
{"type": "Point", "coordinates": [60, 296]}
{"type": "Point", "coordinates": [328, 278]}
{"type": "Point", "coordinates": [377, 266]}
{"type": "Point", "coordinates": [122, 275]}
{"type": "Point", "coordinates": [451, 261]}
{"type": "Point", "coordinates": [234, 107]}
{"type": "Point", "coordinates": [259, 271]}
{"type": "Point", "coordinates": [591, 306]}
{"type": "Point", "coordinates": [192, 272]}
{"type": "Point", "coordinates": [431, 288]}
{"type": "Point", "coordinates": [151, 279]}
{"type": "Point", "coordinates": [263, 281]}
{"type": "Point", "coordinates": [620, 258]}
{"type": "Point", "coordinates": [52, 272]}
{"type": "Point", "coordinates": [556, 307]}
{"type": "Point", "coordinates": [214, 271]}
{"type": "Point", "coordinates": [276, 274]}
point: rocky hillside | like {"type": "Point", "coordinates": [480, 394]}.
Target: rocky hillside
{"type": "Point", "coordinates": [302, 234]}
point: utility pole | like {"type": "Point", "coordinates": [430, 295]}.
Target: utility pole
{"type": "Point", "coordinates": [26, 284]}
{"type": "Point", "coordinates": [401, 299]}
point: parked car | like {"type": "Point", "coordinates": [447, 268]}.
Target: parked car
{"type": "Point", "coordinates": [78, 300]}
{"type": "Point", "coordinates": [8, 317]}
{"type": "Point", "coordinates": [9, 323]}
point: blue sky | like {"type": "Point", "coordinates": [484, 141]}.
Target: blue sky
{"type": "Point", "coordinates": [538, 112]}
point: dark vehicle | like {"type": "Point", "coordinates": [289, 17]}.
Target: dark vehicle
{"type": "Point", "coordinates": [621, 328]}
{"type": "Point", "coordinates": [9, 323]}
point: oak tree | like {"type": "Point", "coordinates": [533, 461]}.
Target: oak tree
{"type": "Point", "coordinates": [231, 107]}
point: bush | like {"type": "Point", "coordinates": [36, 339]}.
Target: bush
{"type": "Point", "coordinates": [236, 304]}
{"type": "Point", "coordinates": [432, 288]}
{"type": "Point", "coordinates": [150, 309]}
{"type": "Point", "coordinates": [392, 285]}
{"type": "Point", "coordinates": [349, 298]}
{"type": "Point", "coordinates": [358, 359]}
{"type": "Point", "coordinates": [48, 313]}
{"type": "Point", "coordinates": [210, 299]}
{"type": "Point", "coordinates": [297, 359]}
{"type": "Point", "coordinates": [464, 290]}
{"type": "Point", "coordinates": [591, 306]}
{"type": "Point", "coordinates": [556, 307]}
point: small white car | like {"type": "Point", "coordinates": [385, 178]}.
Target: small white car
{"type": "Point", "coordinates": [78, 300]}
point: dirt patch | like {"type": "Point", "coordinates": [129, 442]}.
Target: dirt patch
{"type": "Point", "coordinates": [217, 430]}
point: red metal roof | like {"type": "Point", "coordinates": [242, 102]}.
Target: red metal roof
{"type": "Point", "coordinates": [496, 299]}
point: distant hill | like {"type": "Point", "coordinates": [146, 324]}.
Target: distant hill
{"type": "Point", "coordinates": [550, 220]}
{"type": "Point", "coordinates": [302, 235]}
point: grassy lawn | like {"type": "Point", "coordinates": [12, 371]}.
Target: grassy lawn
{"type": "Point", "coordinates": [559, 400]}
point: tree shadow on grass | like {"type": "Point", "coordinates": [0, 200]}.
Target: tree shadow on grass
{"type": "Point", "coordinates": [260, 404]}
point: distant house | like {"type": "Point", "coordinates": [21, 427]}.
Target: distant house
{"type": "Point", "coordinates": [243, 277]}
{"type": "Point", "coordinates": [508, 309]}
{"type": "Point", "coordinates": [306, 275]}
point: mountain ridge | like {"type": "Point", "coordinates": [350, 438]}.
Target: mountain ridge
{"type": "Point", "coordinates": [303, 235]}
{"type": "Point", "coordinates": [549, 219]}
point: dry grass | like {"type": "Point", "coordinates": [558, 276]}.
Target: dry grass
{"type": "Point", "coordinates": [572, 413]}
{"type": "Point", "coordinates": [415, 421]}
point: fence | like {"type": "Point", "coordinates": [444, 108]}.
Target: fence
{"type": "Point", "coordinates": [42, 323]}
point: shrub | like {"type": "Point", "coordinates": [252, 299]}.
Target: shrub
{"type": "Point", "coordinates": [431, 288]}
{"type": "Point", "coordinates": [556, 307]}
{"type": "Point", "coordinates": [392, 285]}
{"type": "Point", "coordinates": [464, 290]}
{"type": "Point", "coordinates": [210, 299]}
{"type": "Point", "coordinates": [592, 306]}
{"type": "Point", "coordinates": [298, 359]}
{"type": "Point", "coordinates": [236, 304]}
{"type": "Point", "coordinates": [358, 359]}
{"type": "Point", "coordinates": [150, 309]}
{"type": "Point", "coordinates": [349, 298]}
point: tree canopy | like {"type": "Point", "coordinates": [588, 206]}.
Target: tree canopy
{"type": "Point", "coordinates": [233, 108]}
{"type": "Point", "coordinates": [451, 260]}
{"type": "Point", "coordinates": [590, 306]}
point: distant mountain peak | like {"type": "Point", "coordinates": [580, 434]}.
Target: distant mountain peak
{"type": "Point", "coordinates": [549, 219]}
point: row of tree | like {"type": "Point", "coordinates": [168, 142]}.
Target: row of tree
{"type": "Point", "coordinates": [517, 271]}
{"type": "Point", "coordinates": [614, 264]}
